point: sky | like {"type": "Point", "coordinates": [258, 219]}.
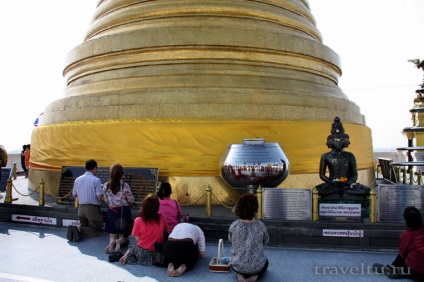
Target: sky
{"type": "Point", "coordinates": [374, 40]}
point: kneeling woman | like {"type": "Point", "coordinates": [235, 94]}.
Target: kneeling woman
{"type": "Point", "coordinates": [185, 245]}
{"type": "Point", "coordinates": [247, 237]}
{"type": "Point", "coordinates": [148, 229]}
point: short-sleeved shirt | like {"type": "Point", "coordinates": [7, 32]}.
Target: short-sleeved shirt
{"type": "Point", "coordinates": [247, 245]}
{"type": "Point", "coordinates": [87, 187]}
{"type": "Point", "coordinates": [411, 248]}
{"type": "Point", "coordinates": [124, 197]}
{"type": "Point", "coordinates": [149, 232]}
{"type": "Point", "coordinates": [186, 230]}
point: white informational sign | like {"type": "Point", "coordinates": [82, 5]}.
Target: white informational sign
{"type": "Point", "coordinates": [345, 210]}
{"type": "Point", "coordinates": [342, 233]}
{"type": "Point", "coordinates": [34, 219]}
{"type": "Point", "coordinates": [69, 222]}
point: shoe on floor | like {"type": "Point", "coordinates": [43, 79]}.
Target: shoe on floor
{"type": "Point", "coordinates": [69, 234]}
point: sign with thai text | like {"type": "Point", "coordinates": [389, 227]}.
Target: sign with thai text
{"type": "Point", "coordinates": [34, 219]}
{"type": "Point", "coordinates": [340, 209]}
{"type": "Point", "coordinates": [142, 181]}
{"type": "Point", "coordinates": [287, 203]}
{"type": "Point", "coordinates": [342, 233]}
{"type": "Point", "coordinates": [393, 199]}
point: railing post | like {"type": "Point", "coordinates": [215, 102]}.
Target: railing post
{"type": "Point", "coordinates": [404, 176]}
{"type": "Point", "coordinates": [41, 201]}
{"type": "Point", "coordinates": [208, 201]}
{"type": "Point", "coordinates": [315, 197]}
{"type": "Point", "coordinates": [8, 198]}
{"type": "Point", "coordinates": [15, 171]}
{"type": "Point", "coordinates": [76, 202]}
{"type": "Point", "coordinates": [259, 196]}
{"type": "Point", "coordinates": [373, 205]}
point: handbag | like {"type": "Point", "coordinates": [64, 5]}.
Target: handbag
{"type": "Point", "coordinates": [182, 217]}
{"type": "Point", "coordinates": [221, 263]}
{"type": "Point", "coordinates": [159, 254]}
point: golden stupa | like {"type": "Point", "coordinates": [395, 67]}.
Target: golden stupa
{"type": "Point", "coordinates": [169, 84]}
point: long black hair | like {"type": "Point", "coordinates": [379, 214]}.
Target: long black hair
{"type": "Point", "coordinates": [165, 190]}
{"type": "Point", "coordinates": [412, 218]}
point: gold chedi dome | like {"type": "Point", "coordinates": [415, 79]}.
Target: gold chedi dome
{"type": "Point", "coordinates": [170, 83]}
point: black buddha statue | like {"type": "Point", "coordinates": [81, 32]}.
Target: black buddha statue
{"type": "Point", "coordinates": [341, 165]}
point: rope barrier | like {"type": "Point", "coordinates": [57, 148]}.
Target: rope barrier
{"type": "Point", "coordinates": [196, 201]}
{"type": "Point", "coordinates": [222, 204]}
{"type": "Point", "coordinates": [25, 195]}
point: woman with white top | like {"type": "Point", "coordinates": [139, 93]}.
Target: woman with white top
{"type": "Point", "coordinates": [185, 245]}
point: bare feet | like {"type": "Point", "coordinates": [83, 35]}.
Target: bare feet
{"type": "Point", "coordinates": [252, 278]}
{"type": "Point", "coordinates": [240, 278]}
{"type": "Point", "coordinates": [110, 247]}
{"type": "Point", "coordinates": [180, 270]}
{"type": "Point", "coordinates": [170, 271]}
{"type": "Point", "coordinates": [117, 246]}
{"type": "Point", "coordinates": [123, 260]}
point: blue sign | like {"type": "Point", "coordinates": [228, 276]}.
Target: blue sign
{"type": "Point", "coordinates": [6, 172]}
{"type": "Point", "coordinates": [142, 181]}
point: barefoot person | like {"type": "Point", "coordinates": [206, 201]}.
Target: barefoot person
{"type": "Point", "coordinates": [119, 221]}
{"type": "Point", "coordinates": [148, 229]}
{"type": "Point", "coordinates": [185, 245]}
{"type": "Point", "coordinates": [247, 237]}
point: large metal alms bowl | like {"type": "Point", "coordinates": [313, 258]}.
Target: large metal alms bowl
{"type": "Point", "coordinates": [253, 163]}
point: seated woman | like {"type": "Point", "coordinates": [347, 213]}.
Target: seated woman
{"type": "Point", "coordinates": [185, 245]}
{"type": "Point", "coordinates": [169, 208]}
{"type": "Point", "coordinates": [247, 237]}
{"type": "Point", "coordinates": [148, 229]}
{"type": "Point", "coordinates": [409, 263]}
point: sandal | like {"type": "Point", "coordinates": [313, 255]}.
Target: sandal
{"type": "Point", "coordinates": [115, 256]}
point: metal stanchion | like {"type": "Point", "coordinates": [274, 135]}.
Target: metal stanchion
{"type": "Point", "coordinates": [259, 196]}
{"type": "Point", "coordinates": [8, 198]}
{"type": "Point", "coordinates": [373, 205]}
{"type": "Point", "coordinates": [315, 197]}
{"type": "Point", "coordinates": [404, 176]}
{"type": "Point", "coordinates": [411, 177]}
{"type": "Point", "coordinates": [208, 201]}
{"type": "Point", "coordinates": [15, 171]}
{"type": "Point", "coordinates": [76, 202]}
{"type": "Point", "coordinates": [41, 201]}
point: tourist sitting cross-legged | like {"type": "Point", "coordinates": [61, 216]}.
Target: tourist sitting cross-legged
{"type": "Point", "coordinates": [148, 229]}
{"type": "Point", "coordinates": [185, 245]}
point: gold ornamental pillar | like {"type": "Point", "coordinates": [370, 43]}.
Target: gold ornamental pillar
{"type": "Point", "coordinates": [169, 84]}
